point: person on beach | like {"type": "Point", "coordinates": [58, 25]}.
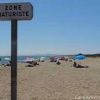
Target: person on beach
{"type": "Point", "coordinates": [58, 62]}
{"type": "Point", "coordinates": [78, 65]}
{"type": "Point", "coordinates": [34, 63]}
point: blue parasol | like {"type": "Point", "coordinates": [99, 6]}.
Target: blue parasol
{"type": "Point", "coordinates": [79, 57]}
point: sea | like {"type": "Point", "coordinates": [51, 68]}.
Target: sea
{"type": "Point", "coordinates": [20, 59]}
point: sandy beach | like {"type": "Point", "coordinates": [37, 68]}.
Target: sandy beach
{"type": "Point", "coordinates": [49, 81]}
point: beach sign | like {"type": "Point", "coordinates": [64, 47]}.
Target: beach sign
{"type": "Point", "coordinates": [18, 11]}
{"type": "Point", "coordinates": [15, 12]}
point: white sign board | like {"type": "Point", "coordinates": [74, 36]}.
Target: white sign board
{"type": "Point", "coordinates": [18, 11]}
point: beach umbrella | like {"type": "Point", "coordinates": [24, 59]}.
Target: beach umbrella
{"type": "Point", "coordinates": [79, 57]}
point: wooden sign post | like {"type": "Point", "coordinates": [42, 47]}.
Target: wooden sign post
{"type": "Point", "coordinates": [13, 59]}
{"type": "Point", "coordinates": [15, 12]}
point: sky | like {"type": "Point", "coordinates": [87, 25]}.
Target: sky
{"type": "Point", "coordinates": [57, 27]}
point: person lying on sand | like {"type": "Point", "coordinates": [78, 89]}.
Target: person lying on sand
{"type": "Point", "coordinates": [35, 63]}
{"type": "Point", "coordinates": [32, 64]}
{"type": "Point", "coordinates": [7, 64]}
{"type": "Point", "coordinates": [78, 65]}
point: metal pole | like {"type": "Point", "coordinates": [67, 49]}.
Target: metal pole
{"type": "Point", "coordinates": [13, 59]}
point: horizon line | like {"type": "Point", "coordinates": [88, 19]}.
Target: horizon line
{"type": "Point", "coordinates": [49, 54]}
